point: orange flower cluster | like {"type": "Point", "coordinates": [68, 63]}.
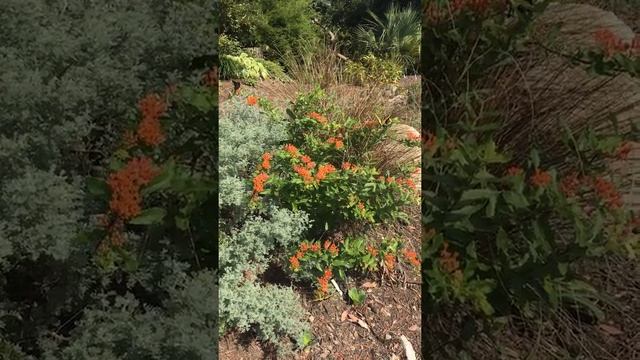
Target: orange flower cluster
{"type": "Point", "coordinates": [570, 184]}
{"type": "Point", "coordinates": [408, 182]}
{"type": "Point", "coordinates": [292, 150]}
{"type": "Point", "coordinates": [295, 262]}
{"type": "Point", "coordinates": [149, 130]}
{"type": "Point", "coordinates": [266, 161]}
{"type": "Point", "coordinates": [324, 170]}
{"type": "Point", "coordinates": [318, 117]}
{"type": "Point", "coordinates": [412, 257]}
{"type": "Point", "coordinates": [336, 141]}
{"type": "Point", "coordinates": [389, 261]}
{"type": "Point", "coordinates": [302, 250]}
{"type": "Point", "coordinates": [400, 181]}
{"type": "Point", "coordinates": [304, 173]}
{"type": "Point", "coordinates": [259, 181]}
{"type": "Point", "coordinates": [608, 193]}
{"type": "Point", "coordinates": [540, 178]}
{"type": "Point", "coordinates": [449, 260]}
{"type": "Point", "coordinates": [252, 100]}
{"type": "Point", "coordinates": [623, 151]}
{"type": "Point", "coordinates": [323, 281]}
{"type": "Point", "coordinates": [430, 142]}
{"type": "Point", "coordinates": [514, 171]}
{"type": "Point", "coordinates": [612, 44]}
{"type": "Point", "coordinates": [372, 250]}
{"type": "Point", "coordinates": [308, 162]}
{"type": "Point", "coordinates": [412, 136]}
{"type": "Point", "coordinates": [125, 186]}
{"type": "Point", "coordinates": [331, 247]}
{"type": "Point", "coordinates": [346, 165]}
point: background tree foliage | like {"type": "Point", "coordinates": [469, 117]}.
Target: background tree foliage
{"type": "Point", "coordinates": [280, 26]}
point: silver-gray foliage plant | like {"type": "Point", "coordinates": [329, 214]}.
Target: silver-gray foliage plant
{"type": "Point", "coordinates": [250, 241]}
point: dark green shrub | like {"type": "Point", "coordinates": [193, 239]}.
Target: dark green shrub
{"type": "Point", "coordinates": [278, 26]}
{"type": "Point", "coordinates": [227, 45]}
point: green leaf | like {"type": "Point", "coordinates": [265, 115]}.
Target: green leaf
{"type": "Point", "coordinates": [515, 199]}
{"type": "Point", "coordinates": [162, 181]}
{"type": "Point", "coordinates": [491, 208]}
{"type": "Point", "coordinates": [358, 296]}
{"type": "Point", "coordinates": [485, 307]}
{"type": "Point", "coordinates": [484, 175]}
{"type": "Point", "coordinates": [149, 216]}
{"type": "Point", "coordinates": [502, 241]}
{"type": "Point", "coordinates": [201, 102]}
{"type": "Point", "coordinates": [116, 164]}
{"type": "Point", "coordinates": [467, 210]}
{"type": "Point", "coordinates": [535, 158]}
{"type": "Point", "coordinates": [97, 187]}
{"type": "Point", "coordinates": [306, 338]}
{"type": "Point", "coordinates": [491, 156]}
{"type": "Point", "coordinates": [475, 194]}
{"type": "Point", "coordinates": [341, 274]}
{"type": "Point", "coordinates": [182, 223]}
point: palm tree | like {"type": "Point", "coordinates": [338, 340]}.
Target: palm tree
{"type": "Point", "coordinates": [396, 35]}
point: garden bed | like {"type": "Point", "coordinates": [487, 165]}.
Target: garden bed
{"type": "Point", "coordinates": [342, 330]}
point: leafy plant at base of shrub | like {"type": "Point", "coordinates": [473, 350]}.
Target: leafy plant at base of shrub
{"type": "Point", "coordinates": [370, 70]}
{"type": "Point", "coordinates": [242, 67]}
{"type": "Point", "coordinates": [500, 235]}
{"type": "Point", "coordinates": [357, 296]}
{"type": "Point", "coordinates": [353, 256]}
